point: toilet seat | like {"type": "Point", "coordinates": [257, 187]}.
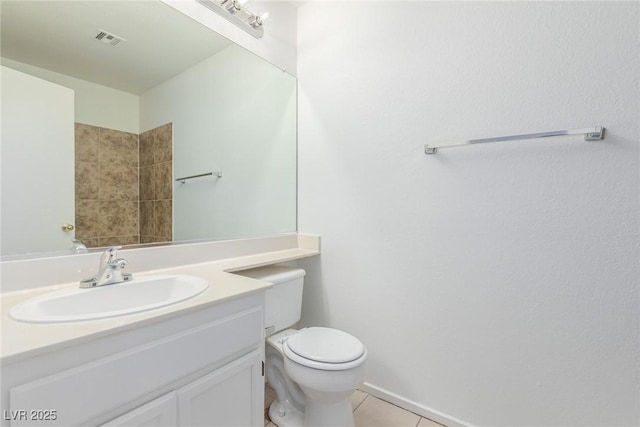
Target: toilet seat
{"type": "Point", "coordinates": [325, 349]}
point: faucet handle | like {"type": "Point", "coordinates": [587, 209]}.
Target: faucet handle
{"type": "Point", "coordinates": [120, 263]}
{"type": "Point", "coordinates": [110, 255]}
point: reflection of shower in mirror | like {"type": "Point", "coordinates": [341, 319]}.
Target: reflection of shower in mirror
{"type": "Point", "coordinates": [245, 127]}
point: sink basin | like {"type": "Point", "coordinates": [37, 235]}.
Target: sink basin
{"type": "Point", "coordinates": [140, 294]}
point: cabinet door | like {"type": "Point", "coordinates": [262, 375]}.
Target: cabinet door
{"type": "Point", "coordinates": [159, 412]}
{"type": "Point", "coordinates": [230, 396]}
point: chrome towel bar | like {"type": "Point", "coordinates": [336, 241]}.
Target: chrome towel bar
{"type": "Point", "coordinates": [590, 134]}
{"type": "Point", "coordinates": [185, 178]}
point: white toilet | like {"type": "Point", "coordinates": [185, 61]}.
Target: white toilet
{"type": "Point", "coordinates": [312, 370]}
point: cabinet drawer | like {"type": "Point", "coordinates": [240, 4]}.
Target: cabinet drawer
{"type": "Point", "coordinates": [87, 391]}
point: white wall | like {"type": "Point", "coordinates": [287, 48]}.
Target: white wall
{"type": "Point", "coordinates": [233, 113]}
{"type": "Point", "coordinates": [495, 284]}
{"type": "Point", "coordinates": [95, 104]}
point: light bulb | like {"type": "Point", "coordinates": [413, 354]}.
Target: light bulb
{"type": "Point", "coordinates": [257, 21]}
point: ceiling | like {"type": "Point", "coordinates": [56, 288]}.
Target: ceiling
{"type": "Point", "coordinates": [59, 36]}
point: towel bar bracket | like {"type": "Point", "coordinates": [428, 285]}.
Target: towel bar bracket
{"type": "Point", "coordinates": [430, 150]}
{"type": "Point", "coordinates": [596, 135]}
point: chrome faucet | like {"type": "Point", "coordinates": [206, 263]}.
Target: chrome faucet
{"type": "Point", "coordinates": [109, 270]}
{"type": "Point", "coordinates": [78, 247]}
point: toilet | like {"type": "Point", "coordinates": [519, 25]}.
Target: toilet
{"type": "Point", "coordinates": [313, 370]}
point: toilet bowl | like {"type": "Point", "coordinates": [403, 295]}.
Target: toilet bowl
{"type": "Point", "coordinates": [313, 370]}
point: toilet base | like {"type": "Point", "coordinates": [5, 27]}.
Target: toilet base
{"type": "Point", "coordinates": [328, 414]}
{"type": "Point", "coordinates": [285, 418]}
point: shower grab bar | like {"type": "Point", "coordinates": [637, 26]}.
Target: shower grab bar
{"type": "Point", "coordinates": [185, 178]}
{"type": "Point", "coordinates": [590, 134]}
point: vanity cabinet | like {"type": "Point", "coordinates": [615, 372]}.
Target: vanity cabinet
{"type": "Point", "coordinates": [199, 368]}
{"type": "Point", "coordinates": [223, 398]}
{"type": "Point", "coordinates": [159, 412]}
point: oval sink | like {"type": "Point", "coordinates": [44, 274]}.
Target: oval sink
{"type": "Point", "coordinates": [140, 294]}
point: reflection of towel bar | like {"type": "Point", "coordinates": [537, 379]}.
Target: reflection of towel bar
{"type": "Point", "coordinates": [185, 178]}
{"type": "Point", "coordinates": [590, 134]}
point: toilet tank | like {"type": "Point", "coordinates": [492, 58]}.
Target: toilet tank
{"type": "Point", "coordinates": [283, 302]}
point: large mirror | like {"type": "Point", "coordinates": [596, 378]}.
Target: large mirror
{"type": "Point", "coordinates": [126, 123]}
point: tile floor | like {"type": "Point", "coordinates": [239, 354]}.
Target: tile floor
{"type": "Point", "coordinates": [369, 411]}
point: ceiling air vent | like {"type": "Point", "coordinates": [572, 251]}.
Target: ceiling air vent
{"type": "Point", "coordinates": [108, 38]}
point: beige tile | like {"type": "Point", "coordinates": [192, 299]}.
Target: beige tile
{"type": "Point", "coordinates": [87, 219]}
{"type": "Point", "coordinates": [116, 148]}
{"type": "Point", "coordinates": [270, 424]}
{"type": "Point", "coordinates": [146, 148]}
{"type": "Point", "coordinates": [118, 241]}
{"type": "Point", "coordinates": [107, 134]}
{"type": "Point", "coordinates": [147, 183]}
{"type": "Point", "coordinates": [147, 223]}
{"type": "Point", "coordinates": [163, 180]}
{"type": "Point", "coordinates": [149, 239]}
{"type": "Point", "coordinates": [86, 180]}
{"type": "Point", "coordinates": [118, 218]}
{"type": "Point", "coordinates": [163, 219]}
{"type": "Point", "coordinates": [92, 242]}
{"type": "Point", "coordinates": [163, 137]}
{"type": "Point", "coordinates": [357, 398]}
{"type": "Point", "coordinates": [86, 143]}
{"type": "Point", "coordinates": [374, 412]}
{"type": "Point", "coordinates": [424, 422]}
{"type": "Point", "coordinates": [118, 183]}
{"type": "Point", "coordinates": [131, 148]}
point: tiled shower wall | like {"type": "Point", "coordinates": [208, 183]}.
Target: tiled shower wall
{"type": "Point", "coordinates": [108, 188]}
{"type": "Point", "coordinates": [156, 184]}
{"type": "Point", "coordinates": [106, 163]}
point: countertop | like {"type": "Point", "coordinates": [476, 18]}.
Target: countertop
{"type": "Point", "coordinates": [21, 340]}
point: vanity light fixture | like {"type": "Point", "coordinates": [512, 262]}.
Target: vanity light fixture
{"type": "Point", "coordinates": [234, 11]}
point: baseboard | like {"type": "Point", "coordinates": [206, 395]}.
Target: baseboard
{"type": "Point", "coordinates": [414, 407]}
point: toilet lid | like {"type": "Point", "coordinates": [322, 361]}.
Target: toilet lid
{"type": "Point", "coordinates": [326, 345]}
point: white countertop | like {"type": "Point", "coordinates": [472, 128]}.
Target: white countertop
{"type": "Point", "coordinates": [21, 340]}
